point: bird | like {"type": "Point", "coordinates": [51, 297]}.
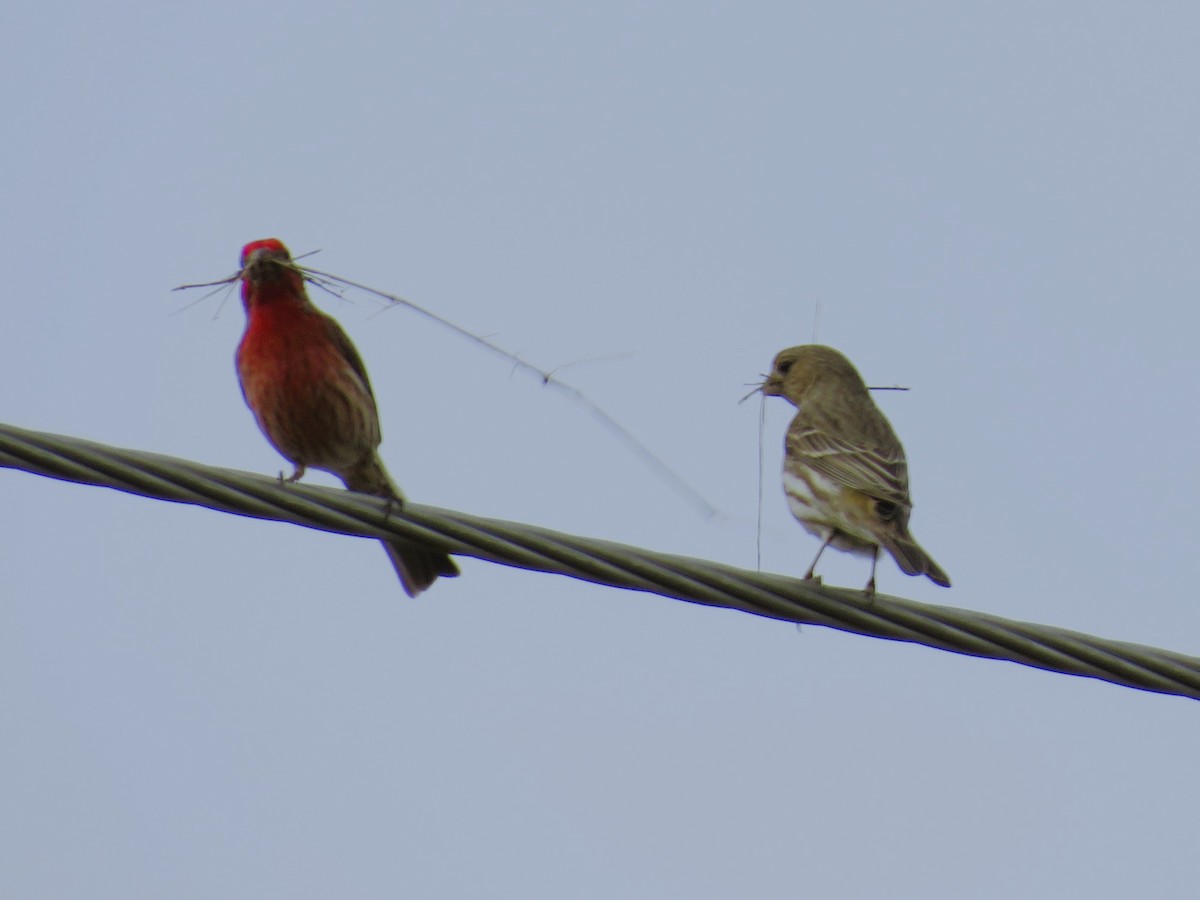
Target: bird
{"type": "Point", "coordinates": [308, 389]}
{"type": "Point", "coordinates": [844, 472]}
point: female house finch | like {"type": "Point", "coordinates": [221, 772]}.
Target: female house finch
{"type": "Point", "coordinates": [844, 472]}
{"type": "Point", "coordinates": [308, 390]}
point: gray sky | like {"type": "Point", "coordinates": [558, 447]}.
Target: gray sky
{"type": "Point", "coordinates": [994, 204]}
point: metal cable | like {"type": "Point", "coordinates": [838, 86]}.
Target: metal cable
{"type": "Point", "coordinates": [602, 562]}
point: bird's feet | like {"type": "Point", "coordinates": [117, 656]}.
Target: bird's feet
{"type": "Point", "coordinates": [392, 503]}
{"type": "Point", "coordinates": [297, 473]}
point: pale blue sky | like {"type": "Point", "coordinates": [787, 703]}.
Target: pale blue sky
{"type": "Point", "coordinates": [995, 204]}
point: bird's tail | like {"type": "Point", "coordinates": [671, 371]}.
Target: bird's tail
{"type": "Point", "coordinates": [417, 566]}
{"type": "Point", "coordinates": [912, 560]}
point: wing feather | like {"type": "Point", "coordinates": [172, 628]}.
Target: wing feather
{"type": "Point", "coordinates": [879, 472]}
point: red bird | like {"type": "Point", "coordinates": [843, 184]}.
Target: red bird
{"type": "Point", "coordinates": [309, 392]}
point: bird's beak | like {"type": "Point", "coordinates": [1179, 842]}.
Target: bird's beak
{"type": "Point", "coordinates": [252, 262]}
{"type": "Point", "coordinates": [259, 264]}
{"type": "Point", "coordinates": [772, 386]}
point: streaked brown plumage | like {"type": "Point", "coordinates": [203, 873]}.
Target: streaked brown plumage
{"type": "Point", "coordinates": [309, 392]}
{"type": "Point", "coordinates": [844, 472]}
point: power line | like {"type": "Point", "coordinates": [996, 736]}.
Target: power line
{"type": "Point", "coordinates": [602, 562]}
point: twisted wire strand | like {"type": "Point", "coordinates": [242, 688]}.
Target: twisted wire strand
{"type": "Point", "coordinates": [602, 562]}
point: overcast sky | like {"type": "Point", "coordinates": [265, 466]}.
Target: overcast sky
{"type": "Point", "coordinates": [994, 204]}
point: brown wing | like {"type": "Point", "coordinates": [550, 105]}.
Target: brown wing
{"type": "Point", "coordinates": [341, 340]}
{"type": "Point", "coordinates": [878, 471]}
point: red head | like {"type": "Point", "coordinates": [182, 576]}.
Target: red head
{"type": "Point", "coordinates": [267, 273]}
{"type": "Point", "coordinates": [266, 247]}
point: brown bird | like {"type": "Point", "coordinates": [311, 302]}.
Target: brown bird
{"type": "Point", "coordinates": [309, 392]}
{"type": "Point", "coordinates": [844, 472]}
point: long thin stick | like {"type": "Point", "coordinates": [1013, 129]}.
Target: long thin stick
{"type": "Point", "coordinates": [615, 428]}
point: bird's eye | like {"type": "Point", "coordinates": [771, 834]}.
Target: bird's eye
{"type": "Point", "coordinates": [784, 367]}
{"type": "Point", "coordinates": [886, 509]}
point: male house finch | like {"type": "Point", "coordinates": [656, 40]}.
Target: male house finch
{"type": "Point", "coordinates": [844, 472]}
{"type": "Point", "coordinates": [308, 390]}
